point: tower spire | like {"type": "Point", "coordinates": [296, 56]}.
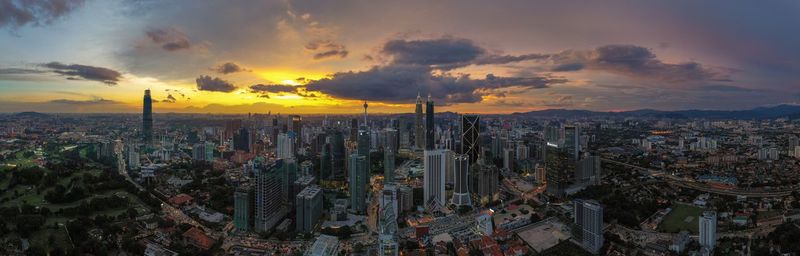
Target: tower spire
{"type": "Point", "coordinates": [365, 112]}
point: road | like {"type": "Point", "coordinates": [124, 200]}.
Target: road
{"type": "Point", "coordinates": [698, 186]}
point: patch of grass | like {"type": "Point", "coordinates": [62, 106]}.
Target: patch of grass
{"type": "Point", "coordinates": [42, 239]}
{"type": "Point", "coordinates": [674, 222]}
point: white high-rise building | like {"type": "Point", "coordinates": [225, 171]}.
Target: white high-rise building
{"type": "Point", "coordinates": [708, 230]}
{"type": "Point", "coordinates": [588, 216]}
{"type": "Point", "coordinates": [436, 163]}
{"type": "Point", "coordinates": [285, 147]}
{"type": "Point", "coordinates": [461, 186]}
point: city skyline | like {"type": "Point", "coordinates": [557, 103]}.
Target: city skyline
{"type": "Point", "coordinates": [305, 57]}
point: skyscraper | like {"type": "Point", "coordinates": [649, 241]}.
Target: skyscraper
{"type": "Point", "coordinates": [308, 208]}
{"type": "Point", "coordinates": [430, 126]}
{"type": "Point", "coordinates": [295, 124]}
{"type": "Point", "coordinates": [241, 140]}
{"type": "Point", "coordinates": [286, 145]}
{"type": "Point", "coordinates": [353, 129]}
{"type": "Point", "coordinates": [388, 166]}
{"type": "Point", "coordinates": [436, 162]}
{"type": "Point", "coordinates": [241, 209]}
{"type": "Point", "coordinates": [269, 201]}
{"type": "Point", "coordinates": [572, 141]}
{"type": "Point", "coordinates": [588, 218]}
{"type": "Point", "coordinates": [488, 180]}
{"type": "Point", "coordinates": [470, 137]}
{"type": "Point", "coordinates": [147, 118]}
{"type": "Point", "coordinates": [288, 169]}
{"type": "Point", "coordinates": [419, 126]}
{"type": "Point", "coordinates": [557, 164]}
{"type": "Point", "coordinates": [338, 155]}
{"type": "Point", "coordinates": [708, 230]}
{"type": "Point", "coordinates": [461, 185]}
{"type": "Point", "coordinates": [358, 183]}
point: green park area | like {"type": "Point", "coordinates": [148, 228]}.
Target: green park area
{"type": "Point", "coordinates": [42, 203]}
{"type": "Point", "coordinates": [682, 217]}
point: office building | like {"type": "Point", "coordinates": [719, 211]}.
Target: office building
{"type": "Point", "coordinates": [588, 170]}
{"type": "Point", "coordinates": [470, 137]}
{"type": "Point", "coordinates": [588, 219]}
{"type": "Point", "coordinates": [708, 230]}
{"type": "Point", "coordinates": [147, 118]}
{"type": "Point", "coordinates": [430, 126]}
{"type": "Point", "coordinates": [358, 183]}
{"type": "Point", "coordinates": [241, 140]}
{"type": "Point", "coordinates": [436, 163]}
{"type": "Point", "coordinates": [557, 167]}
{"type": "Point", "coordinates": [286, 145]}
{"type": "Point", "coordinates": [295, 124]}
{"type": "Point", "coordinates": [419, 126]}
{"type": "Point", "coordinates": [572, 141]}
{"type": "Point", "coordinates": [508, 159]}
{"type": "Point", "coordinates": [488, 180]}
{"type": "Point", "coordinates": [405, 198]}
{"type": "Point", "coordinates": [461, 194]}
{"type": "Point", "coordinates": [388, 166]}
{"type": "Point", "coordinates": [308, 205]}
{"type": "Point", "coordinates": [269, 200]}
{"type": "Point", "coordinates": [241, 209]}
{"type": "Point", "coordinates": [338, 155]}
{"type": "Point", "coordinates": [388, 210]}
{"type": "Point", "coordinates": [392, 139]}
{"type": "Point", "coordinates": [288, 169]}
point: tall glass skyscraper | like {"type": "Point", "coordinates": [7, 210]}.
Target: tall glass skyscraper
{"type": "Point", "coordinates": [358, 183]}
{"type": "Point", "coordinates": [470, 137]}
{"type": "Point", "coordinates": [147, 118]}
{"type": "Point", "coordinates": [461, 185]}
{"type": "Point", "coordinates": [430, 127]}
{"type": "Point", "coordinates": [557, 166]}
{"type": "Point", "coordinates": [419, 126]}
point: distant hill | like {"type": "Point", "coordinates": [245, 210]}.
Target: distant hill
{"type": "Point", "coordinates": [31, 115]}
{"type": "Point", "coordinates": [785, 110]}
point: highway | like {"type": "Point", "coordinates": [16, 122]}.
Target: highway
{"type": "Point", "coordinates": [698, 186]}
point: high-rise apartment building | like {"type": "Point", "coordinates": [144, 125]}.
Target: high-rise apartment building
{"type": "Point", "coordinates": [708, 230]}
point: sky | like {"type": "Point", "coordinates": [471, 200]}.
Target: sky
{"type": "Point", "coordinates": [320, 56]}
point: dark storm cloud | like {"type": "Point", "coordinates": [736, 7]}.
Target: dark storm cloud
{"type": "Point", "coordinates": [272, 88]}
{"type": "Point", "coordinates": [447, 53]}
{"type": "Point", "coordinates": [442, 51]}
{"type": "Point", "coordinates": [18, 13]}
{"type": "Point", "coordinates": [323, 49]}
{"type": "Point", "coordinates": [170, 39]}
{"type": "Point", "coordinates": [229, 67]}
{"type": "Point", "coordinates": [73, 71]}
{"type": "Point", "coordinates": [207, 83]}
{"type": "Point", "coordinates": [634, 61]}
{"type": "Point", "coordinates": [401, 83]}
